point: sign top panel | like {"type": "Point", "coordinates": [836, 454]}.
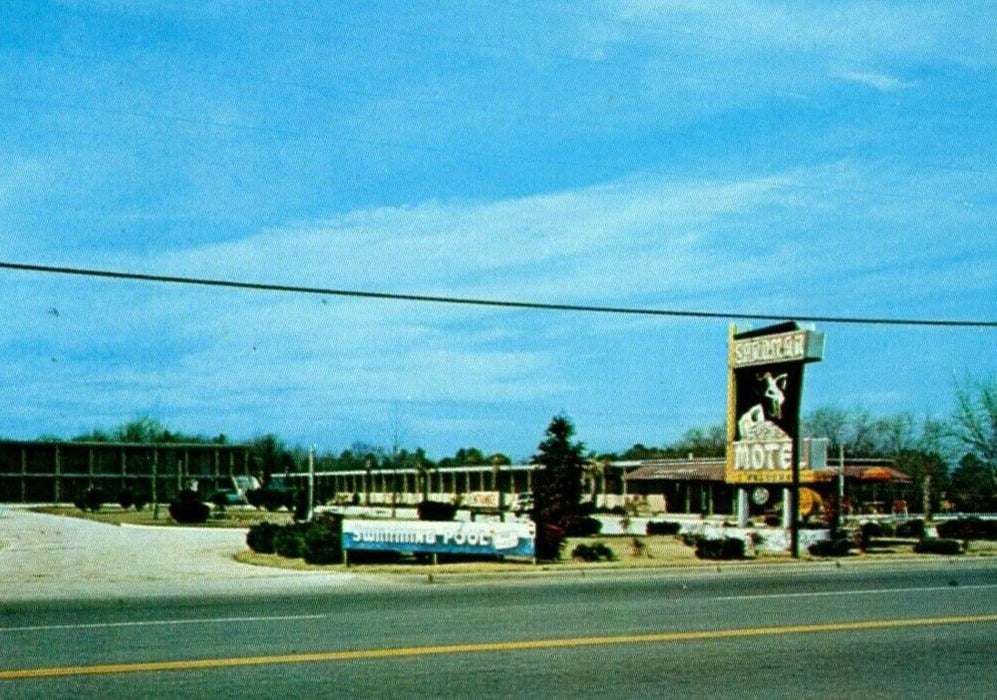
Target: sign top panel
{"type": "Point", "coordinates": [793, 346]}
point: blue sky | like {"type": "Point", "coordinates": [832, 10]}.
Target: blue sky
{"type": "Point", "coordinates": [797, 159]}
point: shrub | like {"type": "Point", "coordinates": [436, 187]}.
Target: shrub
{"type": "Point", "coordinates": [323, 540]}
{"type": "Point", "coordinates": [593, 552]}
{"type": "Point", "coordinates": [933, 545]}
{"type": "Point", "coordinates": [141, 499]}
{"type": "Point", "coordinates": [582, 526]}
{"type": "Point", "coordinates": [95, 498]}
{"type": "Point", "coordinates": [288, 541]}
{"type": "Point", "coordinates": [839, 547]}
{"type": "Point", "coordinates": [126, 498]}
{"type": "Point", "coordinates": [867, 531]}
{"type": "Point", "coordinates": [911, 529]}
{"type": "Point", "coordinates": [220, 499]}
{"type": "Point", "coordinates": [436, 511]}
{"type": "Point", "coordinates": [188, 509]}
{"type": "Point", "coordinates": [260, 537]}
{"type": "Point", "coordinates": [725, 548]}
{"type": "Point", "coordinates": [254, 498]}
{"type": "Point", "coordinates": [663, 527]}
{"type": "Point", "coordinates": [91, 499]}
{"type": "Point", "coordinates": [300, 505]}
{"type": "Point", "coordinates": [968, 529]}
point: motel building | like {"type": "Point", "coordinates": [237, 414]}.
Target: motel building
{"type": "Point", "coordinates": [687, 486]}
{"type": "Point", "coordinates": [47, 472]}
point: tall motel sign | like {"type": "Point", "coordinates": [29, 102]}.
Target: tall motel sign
{"type": "Point", "coordinates": [764, 388]}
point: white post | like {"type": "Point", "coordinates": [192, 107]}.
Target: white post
{"type": "Point", "coordinates": [742, 507]}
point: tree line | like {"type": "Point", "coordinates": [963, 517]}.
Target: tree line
{"type": "Point", "coordinates": [952, 458]}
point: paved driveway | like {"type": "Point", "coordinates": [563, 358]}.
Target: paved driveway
{"type": "Point", "coordinates": [48, 556]}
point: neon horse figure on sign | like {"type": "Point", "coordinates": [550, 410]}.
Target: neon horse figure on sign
{"type": "Point", "coordinates": [758, 422]}
{"type": "Point", "coordinates": [775, 388]}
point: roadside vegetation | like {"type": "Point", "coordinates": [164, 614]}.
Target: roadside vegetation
{"type": "Point", "coordinates": [231, 518]}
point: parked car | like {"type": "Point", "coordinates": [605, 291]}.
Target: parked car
{"type": "Point", "coordinates": [235, 494]}
{"type": "Point", "coordinates": [522, 502]}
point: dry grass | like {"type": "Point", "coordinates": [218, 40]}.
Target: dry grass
{"type": "Point", "coordinates": [113, 515]}
{"type": "Point", "coordinates": [657, 551]}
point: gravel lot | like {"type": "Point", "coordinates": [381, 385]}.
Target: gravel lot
{"type": "Point", "coordinates": [48, 556]}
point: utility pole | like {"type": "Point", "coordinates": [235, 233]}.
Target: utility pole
{"type": "Point", "coordinates": [311, 483]}
{"type": "Point", "coordinates": [841, 489]}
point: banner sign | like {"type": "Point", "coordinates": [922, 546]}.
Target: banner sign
{"type": "Point", "coordinates": [766, 382]}
{"type": "Point", "coordinates": [488, 539]}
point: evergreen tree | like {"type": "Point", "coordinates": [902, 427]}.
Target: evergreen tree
{"type": "Point", "coordinates": [557, 487]}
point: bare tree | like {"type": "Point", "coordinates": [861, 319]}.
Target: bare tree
{"type": "Point", "coordinates": [974, 421]}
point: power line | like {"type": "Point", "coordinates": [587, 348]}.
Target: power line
{"type": "Point", "coordinates": [495, 303]}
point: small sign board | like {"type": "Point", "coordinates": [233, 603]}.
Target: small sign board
{"type": "Point", "coordinates": [482, 499]}
{"type": "Point", "coordinates": [514, 539]}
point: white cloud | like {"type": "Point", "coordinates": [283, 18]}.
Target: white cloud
{"type": "Point", "coordinates": [879, 81]}
{"type": "Point", "coordinates": [235, 361]}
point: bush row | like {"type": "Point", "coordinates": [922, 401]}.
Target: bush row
{"type": "Point", "coordinates": [93, 499]}
{"type": "Point", "coordinates": [317, 542]}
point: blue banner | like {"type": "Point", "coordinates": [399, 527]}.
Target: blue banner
{"type": "Point", "coordinates": [481, 538]}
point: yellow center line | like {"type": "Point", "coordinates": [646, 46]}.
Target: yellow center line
{"type": "Point", "coordinates": [517, 645]}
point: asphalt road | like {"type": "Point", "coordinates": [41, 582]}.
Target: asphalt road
{"type": "Point", "coordinates": [912, 630]}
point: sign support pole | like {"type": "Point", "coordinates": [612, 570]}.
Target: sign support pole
{"type": "Point", "coordinates": [794, 501]}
